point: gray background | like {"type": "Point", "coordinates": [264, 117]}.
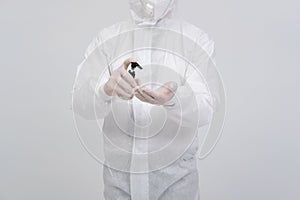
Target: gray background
{"type": "Point", "coordinates": [258, 47]}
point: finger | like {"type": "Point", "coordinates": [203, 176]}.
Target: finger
{"type": "Point", "coordinates": [158, 96]}
{"type": "Point", "coordinates": [125, 86]}
{"type": "Point", "coordinates": [140, 97]}
{"type": "Point", "coordinates": [122, 94]}
{"type": "Point", "coordinates": [128, 78]}
{"type": "Point", "coordinates": [127, 63]}
{"type": "Point", "coordinates": [171, 86]}
{"type": "Point", "coordinates": [147, 97]}
{"type": "Point", "coordinates": [138, 83]}
{"type": "Point", "coordinates": [149, 92]}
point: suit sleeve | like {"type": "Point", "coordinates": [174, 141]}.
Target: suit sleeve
{"type": "Point", "coordinates": [89, 99]}
{"type": "Point", "coordinates": [193, 101]}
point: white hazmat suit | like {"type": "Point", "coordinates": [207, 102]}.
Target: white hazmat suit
{"type": "Point", "coordinates": [149, 151]}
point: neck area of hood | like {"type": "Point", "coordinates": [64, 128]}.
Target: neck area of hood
{"type": "Point", "coordinates": [140, 16]}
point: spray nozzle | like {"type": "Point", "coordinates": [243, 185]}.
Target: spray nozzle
{"type": "Point", "coordinates": [133, 65]}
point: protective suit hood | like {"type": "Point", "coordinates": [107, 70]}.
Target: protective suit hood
{"type": "Point", "coordinates": [150, 12]}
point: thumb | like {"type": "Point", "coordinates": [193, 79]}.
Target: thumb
{"type": "Point", "coordinates": [171, 85]}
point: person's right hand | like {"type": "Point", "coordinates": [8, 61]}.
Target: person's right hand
{"type": "Point", "coordinates": [121, 83]}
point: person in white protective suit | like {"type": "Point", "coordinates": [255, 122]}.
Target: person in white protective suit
{"type": "Point", "coordinates": [150, 122]}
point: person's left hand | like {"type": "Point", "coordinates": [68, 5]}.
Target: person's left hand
{"type": "Point", "coordinates": [158, 96]}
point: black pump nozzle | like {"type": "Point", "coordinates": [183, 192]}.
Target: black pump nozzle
{"type": "Point", "coordinates": [134, 65]}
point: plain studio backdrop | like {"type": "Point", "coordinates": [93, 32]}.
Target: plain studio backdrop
{"type": "Point", "coordinates": [258, 45]}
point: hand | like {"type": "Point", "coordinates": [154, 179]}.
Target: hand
{"type": "Point", "coordinates": [121, 82]}
{"type": "Point", "coordinates": [158, 96]}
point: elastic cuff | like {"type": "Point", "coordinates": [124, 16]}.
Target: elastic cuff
{"type": "Point", "coordinates": [171, 102]}
{"type": "Point", "coordinates": [101, 94]}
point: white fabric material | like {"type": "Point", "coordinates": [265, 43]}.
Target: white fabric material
{"type": "Point", "coordinates": [180, 179]}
